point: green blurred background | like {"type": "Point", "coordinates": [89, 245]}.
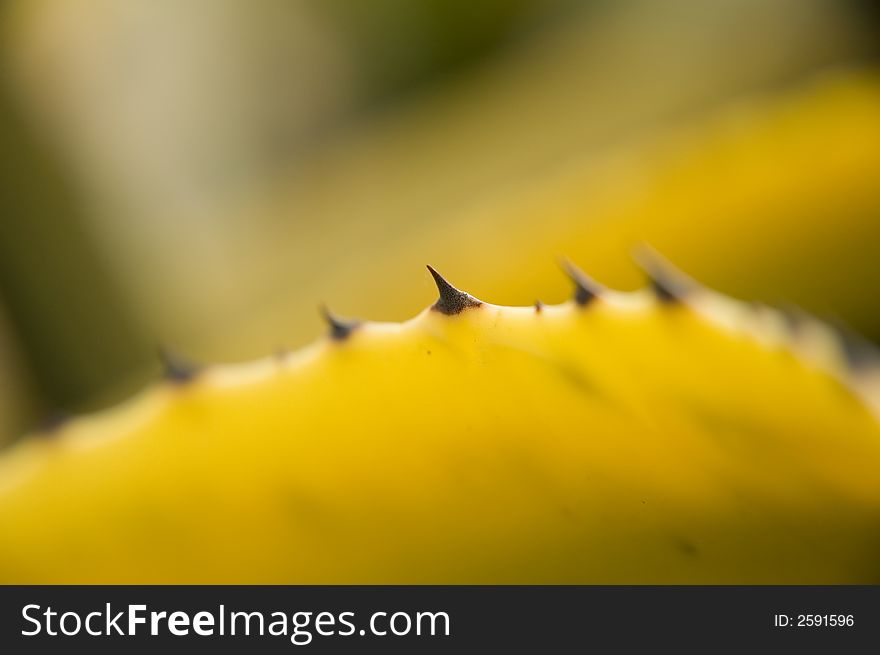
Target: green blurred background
{"type": "Point", "coordinates": [201, 174]}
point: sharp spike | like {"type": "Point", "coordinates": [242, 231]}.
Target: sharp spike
{"type": "Point", "coordinates": [177, 369]}
{"type": "Point", "coordinates": [339, 328]}
{"type": "Point", "coordinates": [797, 320]}
{"type": "Point", "coordinates": [54, 422]}
{"type": "Point", "coordinates": [539, 306]}
{"type": "Point", "coordinates": [451, 300]}
{"type": "Point", "coordinates": [669, 284]}
{"type": "Point", "coordinates": [585, 288]}
{"type": "Point", "coordinates": [859, 353]}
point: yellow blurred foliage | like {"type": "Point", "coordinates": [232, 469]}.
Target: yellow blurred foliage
{"type": "Point", "coordinates": [775, 199]}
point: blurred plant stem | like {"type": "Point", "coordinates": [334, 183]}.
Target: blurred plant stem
{"type": "Point", "coordinates": [68, 318]}
{"type": "Point", "coordinates": [17, 395]}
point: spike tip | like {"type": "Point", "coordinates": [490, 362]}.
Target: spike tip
{"type": "Point", "coordinates": [451, 301]}
{"type": "Point", "coordinates": [669, 284]}
{"type": "Point", "coordinates": [339, 328]}
{"type": "Point", "coordinates": [585, 288]}
{"type": "Point", "coordinates": [177, 369]}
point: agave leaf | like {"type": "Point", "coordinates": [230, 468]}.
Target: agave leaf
{"type": "Point", "coordinates": [665, 435]}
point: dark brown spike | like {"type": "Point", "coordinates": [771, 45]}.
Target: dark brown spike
{"type": "Point", "coordinates": [451, 301]}
{"type": "Point", "coordinates": [53, 422]}
{"type": "Point", "coordinates": [177, 369]}
{"type": "Point", "coordinates": [669, 284]}
{"type": "Point", "coordinates": [339, 329]}
{"type": "Point", "coordinates": [797, 320]}
{"type": "Point", "coordinates": [860, 354]}
{"type": "Point", "coordinates": [585, 288]}
{"type": "Point", "coordinates": [539, 306]}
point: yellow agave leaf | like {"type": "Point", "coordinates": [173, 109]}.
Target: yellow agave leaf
{"type": "Point", "coordinates": [669, 435]}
